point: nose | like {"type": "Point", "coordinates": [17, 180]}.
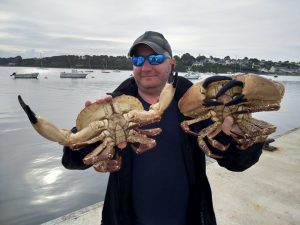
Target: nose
{"type": "Point", "coordinates": [146, 66]}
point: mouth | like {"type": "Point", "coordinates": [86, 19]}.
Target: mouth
{"type": "Point", "coordinates": [148, 75]}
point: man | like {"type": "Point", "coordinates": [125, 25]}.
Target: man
{"type": "Point", "coordinates": [166, 185]}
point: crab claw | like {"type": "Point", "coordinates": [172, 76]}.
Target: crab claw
{"type": "Point", "coordinates": [166, 95]}
{"type": "Point", "coordinates": [31, 115]}
{"type": "Point", "coordinates": [45, 128]}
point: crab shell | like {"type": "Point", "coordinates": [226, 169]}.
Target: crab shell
{"type": "Point", "coordinates": [191, 102]}
{"type": "Point", "coordinates": [260, 89]}
{"type": "Point", "coordinates": [257, 90]}
{"type": "Point", "coordinates": [96, 112]}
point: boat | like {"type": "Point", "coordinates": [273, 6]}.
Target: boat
{"type": "Point", "coordinates": [104, 70]}
{"type": "Point", "coordinates": [25, 75]}
{"type": "Point", "coordinates": [73, 74]}
{"type": "Point", "coordinates": [192, 75]}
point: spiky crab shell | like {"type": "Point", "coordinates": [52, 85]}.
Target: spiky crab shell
{"type": "Point", "coordinates": [94, 112]}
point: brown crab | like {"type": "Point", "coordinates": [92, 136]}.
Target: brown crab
{"type": "Point", "coordinates": [111, 123]}
{"type": "Point", "coordinates": [220, 96]}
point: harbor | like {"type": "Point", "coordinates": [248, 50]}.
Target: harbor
{"type": "Point", "coordinates": [37, 187]}
{"type": "Point", "coordinates": [266, 193]}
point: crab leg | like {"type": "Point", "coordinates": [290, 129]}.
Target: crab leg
{"type": "Point", "coordinates": [203, 133]}
{"type": "Point", "coordinates": [206, 150]}
{"type": "Point", "coordinates": [154, 119]}
{"type": "Point", "coordinates": [100, 137]}
{"type": "Point", "coordinates": [145, 143]}
{"type": "Point", "coordinates": [62, 136]}
{"type": "Point", "coordinates": [106, 148]}
{"type": "Point", "coordinates": [43, 127]}
{"type": "Point", "coordinates": [149, 132]}
{"type": "Point", "coordinates": [157, 109]}
{"type": "Point", "coordinates": [216, 143]}
{"type": "Point", "coordinates": [185, 124]}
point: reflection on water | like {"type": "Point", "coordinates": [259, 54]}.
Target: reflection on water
{"type": "Point", "coordinates": [35, 186]}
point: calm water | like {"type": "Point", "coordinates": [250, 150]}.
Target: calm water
{"type": "Point", "coordinates": [34, 185]}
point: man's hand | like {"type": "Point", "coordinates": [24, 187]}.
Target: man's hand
{"type": "Point", "coordinates": [109, 165]}
{"type": "Point", "coordinates": [230, 128]}
{"type": "Point", "coordinates": [106, 98]}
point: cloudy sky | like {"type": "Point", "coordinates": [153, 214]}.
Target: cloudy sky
{"type": "Point", "coordinates": [262, 29]}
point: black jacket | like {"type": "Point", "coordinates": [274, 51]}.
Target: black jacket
{"type": "Point", "coordinates": [117, 208]}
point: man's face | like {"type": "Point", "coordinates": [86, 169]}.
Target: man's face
{"type": "Point", "coordinates": [151, 76]}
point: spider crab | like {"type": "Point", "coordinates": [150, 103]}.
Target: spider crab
{"type": "Point", "coordinates": [217, 97]}
{"type": "Point", "coordinates": [112, 123]}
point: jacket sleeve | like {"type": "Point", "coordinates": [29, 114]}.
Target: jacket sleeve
{"type": "Point", "coordinates": [233, 158]}
{"type": "Point", "coordinates": [73, 160]}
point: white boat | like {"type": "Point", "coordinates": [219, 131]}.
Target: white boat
{"type": "Point", "coordinates": [25, 75]}
{"type": "Point", "coordinates": [73, 74]}
{"type": "Point", "coordinates": [192, 75]}
{"type": "Point", "coordinates": [105, 71]}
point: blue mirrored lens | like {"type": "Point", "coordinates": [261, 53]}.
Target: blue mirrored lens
{"type": "Point", "coordinates": [138, 60]}
{"type": "Point", "coordinates": [156, 59]}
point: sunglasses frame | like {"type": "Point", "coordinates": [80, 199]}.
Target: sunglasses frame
{"type": "Point", "coordinates": [155, 63]}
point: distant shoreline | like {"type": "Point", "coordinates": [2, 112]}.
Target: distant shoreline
{"type": "Point", "coordinates": [265, 74]}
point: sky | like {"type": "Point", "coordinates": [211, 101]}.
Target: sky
{"type": "Point", "coordinates": [262, 29]}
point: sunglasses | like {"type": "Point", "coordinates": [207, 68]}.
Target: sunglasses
{"type": "Point", "coordinates": [139, 60]}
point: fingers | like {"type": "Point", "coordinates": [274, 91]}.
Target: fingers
{"type": "Point", "coordinates": [106, 98]}
{"type": "Point", "coordinates": [114, 165]}
{"type": "Point", "coordinates": [110, 165]}
{"type": "Point", "coordinates": [87, 103]}
{"type": "Point", "coordinates": [237, 130]}
{"type": "Point", "coordinates": [231, 128]}
{"type": "Point", "coordinates": [122, 145]}
{"type": "Point", "coordinates": [227, 125]}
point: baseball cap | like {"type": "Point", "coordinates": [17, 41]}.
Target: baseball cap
{"type": "Point", "coordinates": [156, 41]}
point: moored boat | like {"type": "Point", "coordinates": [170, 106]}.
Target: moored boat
{"type": "Point", "coordinates": [73, 74]}
{"type": "Point", "coordinates": [192, 75]}
{"type": "Point", "coordinates": [25, 75]}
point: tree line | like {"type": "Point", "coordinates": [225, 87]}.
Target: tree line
{"type": "Point", "coordinates": [185, 62]}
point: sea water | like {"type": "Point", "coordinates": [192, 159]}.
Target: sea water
{"type": "Point", "coordinates": [35, 187]}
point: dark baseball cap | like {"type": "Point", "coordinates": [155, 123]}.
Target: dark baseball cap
{"type": "Point", "coordinates": [156, 41]}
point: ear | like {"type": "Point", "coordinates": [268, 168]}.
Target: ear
{"type": "Point", "coordinates": [173, 62]}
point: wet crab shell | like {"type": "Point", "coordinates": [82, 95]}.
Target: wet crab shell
{"type": "Point", "coordinates": [95, 112]}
